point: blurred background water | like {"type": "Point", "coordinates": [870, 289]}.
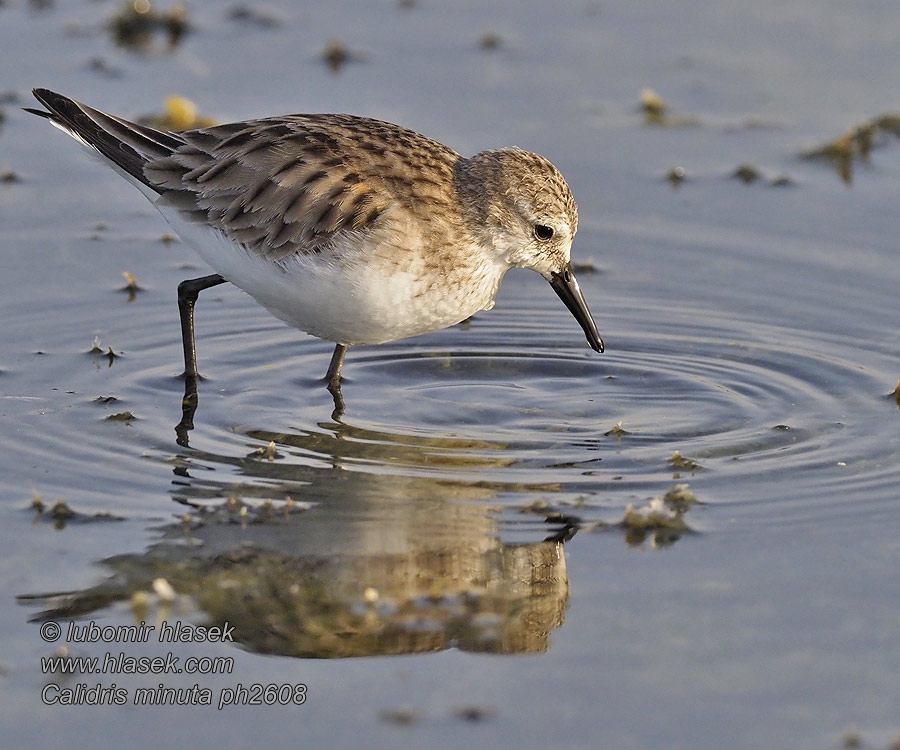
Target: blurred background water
{"type": "Point", "coordinates": [688, 541]}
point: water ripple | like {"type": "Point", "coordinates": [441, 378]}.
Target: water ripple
{"type": "Point", "coordinates": [512, 402]}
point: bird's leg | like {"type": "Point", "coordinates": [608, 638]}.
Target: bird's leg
{"type": "Point", "coordinates": [333, 377]}
{"type": "Point", "coordinates": [187, 296]}
{"type": "Point", "coordinates": [188, 409]}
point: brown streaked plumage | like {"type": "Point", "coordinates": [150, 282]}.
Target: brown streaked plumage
{"type": "Point", "coordinates": [351, 229]}
{"type": "Point", "coordinates": [288, 185]}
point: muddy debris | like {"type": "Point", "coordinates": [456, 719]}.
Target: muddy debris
{"type": "Point", "coordinates": [782, 181]}
{"type": "Point", "coordinates": [675, 176]}
{"type": "Point", "coordinates": [137, 24]}
{"type": "Point", "coordinates": [336, 55]}
{"type": "Point", "coordinates": [403, 717]}
{"type": "Point", "coordinates": [746, 173]}
{"type": "Point", "coordinates": [122, 416]}
{"type": "Point", "coordinates": [587, 267]}
{"type": "Point", "coordinates": [856, 144]}
{"type": "Point", "coordinates": [105, 68]}
{"type": "Point", "coordinates": [254, 16]}
{"type": "Point", "coordinates": [490, 42]}
{"type": "Point", "coordinates": [617, 430]}
{"type": "Point", "coordinates": [61, 513]}
{"type": "Point", "coordinates": [96, 352]}
{"type": "Point", "coordinates": [662, 519]}
{"type": "Point", "coordinates": [473, 713]}
{"type": "Point", "coordinates": [680, 462]}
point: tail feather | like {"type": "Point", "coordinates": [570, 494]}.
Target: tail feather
{"type": "Point", "coordinates": [126, 144]}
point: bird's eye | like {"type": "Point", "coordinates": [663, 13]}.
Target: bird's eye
{"type": "Point", "coordinates": [543, 232]}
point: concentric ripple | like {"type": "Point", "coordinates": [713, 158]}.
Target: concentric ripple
{"type": "Point", "coordinates": [511, 408]}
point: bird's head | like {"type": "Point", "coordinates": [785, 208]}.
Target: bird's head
{"type": "Point", "coordinates": [528, 219]}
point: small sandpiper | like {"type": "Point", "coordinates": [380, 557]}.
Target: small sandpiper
{"type": "Point", "coordinates": [351, 229]}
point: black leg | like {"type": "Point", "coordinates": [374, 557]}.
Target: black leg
{"type": "Point", "coordinates": [187, 296]}
{"type": "Point", "coordinates": [333, 377]}
{"type": "Point", "coordinates": [188, 409]}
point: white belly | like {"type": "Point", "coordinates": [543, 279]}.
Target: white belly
{"type": "Point", "coordinates": [363, 299]}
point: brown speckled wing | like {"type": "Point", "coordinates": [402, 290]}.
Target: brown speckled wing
{"type": "Point", "coordinates": [293, 184]}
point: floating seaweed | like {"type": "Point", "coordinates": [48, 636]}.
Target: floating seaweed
{"type": "Point", "coordinates": [782, 181]}
{"type": "Point", "coordinates": [653, 106]}
{"type": "Point", "coordinates": [656, 112]}
{"type": "Point", "coordinates": [336, 55]}
{"type": "Point", "coordinates": [254, 16]}
{"type": "Point", "coordinates": [102, 66]}
{"type": "Point", "coordinates": [856, 144]}
{"type": "Point", "coordinates": [588, 266]}
{"type": "Point", "coordinates": [473, 713]}
{"type": "Point", "coordinates": [403, 716]}
{"type": "Point", "coordinates": [663, 518]}
{"type": "Point", "coordinates": [131, 285]}
{"type": "Point", "coordinates": [137, 23]}
{"type": "Point", "coordinates": [61, 513]}
{"type": "Point", "coordinates": [267, 453]}
{"type": "Point", "coordinates": [96, 352]}
{"type": "Point", "coordinates": [490, 42]}
{"type": "Point", "coordinates": [683, 463]}
{"type": "Point", "coordinates": [179, 113]}
{"type": "Point", "coordinates": [746, 173]}
{"type": "Point", "coordinates": [617, 430]}
{"type": "Point", "coordinates": [123, 416]}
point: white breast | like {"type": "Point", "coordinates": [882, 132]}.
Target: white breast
{"type": "Point", "coordinates": [367, 293]}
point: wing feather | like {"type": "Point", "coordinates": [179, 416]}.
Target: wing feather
{"type": "Point", "coordinates": [277, 186]}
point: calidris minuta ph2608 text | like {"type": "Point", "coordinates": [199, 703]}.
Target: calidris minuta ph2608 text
{"type": "Point", "coordinates": [351, 229]}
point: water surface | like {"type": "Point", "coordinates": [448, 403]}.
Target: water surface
{"type": "Point", "coordinates": [493, 543]}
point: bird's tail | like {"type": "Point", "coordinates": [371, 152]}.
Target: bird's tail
{"type": "Point", "coordinates": [127, 145]}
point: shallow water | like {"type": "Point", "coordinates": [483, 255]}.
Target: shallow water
{"type": "Point", "coordinates": [489, 503]}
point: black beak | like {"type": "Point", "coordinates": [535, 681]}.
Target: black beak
{"type": "Point", "coordinates": [565, 285]}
